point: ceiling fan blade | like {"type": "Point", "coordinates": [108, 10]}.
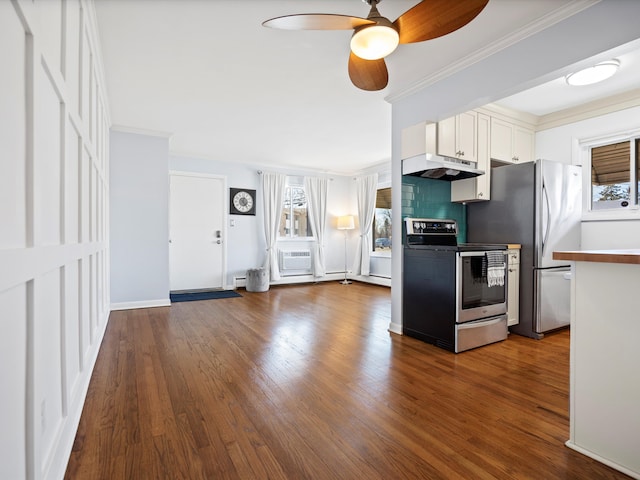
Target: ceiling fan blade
{"type": "Point", "coordinates": [368, 75]}
{"type": "Point", "coordinates": [316, 21]}
{"type": "Point", "coordinates": [434, 18]}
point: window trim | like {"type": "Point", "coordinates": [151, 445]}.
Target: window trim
{"type": "Point", "coordinates": [584, 158]}
{"type": "Point", "coordinates": [374, 253]}
{"type": "Point", "coordinates": [294, 181]}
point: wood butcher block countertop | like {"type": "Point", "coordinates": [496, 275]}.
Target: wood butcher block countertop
{"type": "Point", "coordinates": [512, 246]}
{"type": "Point", "coordinates": [631, 256]}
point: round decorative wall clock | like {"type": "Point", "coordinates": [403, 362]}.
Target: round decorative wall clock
{"type": "Point", "coordinates": [242, 201]}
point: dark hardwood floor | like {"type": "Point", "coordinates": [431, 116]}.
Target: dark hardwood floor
{"type": "Point", "coordinates": [305, 382]}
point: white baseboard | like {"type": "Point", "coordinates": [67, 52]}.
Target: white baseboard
{"type": "Point", "coordinates": [241, 282]}
{"type": "Point", "coordinates": [60, 456]}
{"type": "Point", "coordinates": [395, 328]}
{"type": "Point", "coordinates": [163, 302]}
{"type": "Point", "coordinates": [382, 281]}
{"type": "Point", "coordinates": [601, 459]}
{"type": "Point", "coordinates": [293, 279]}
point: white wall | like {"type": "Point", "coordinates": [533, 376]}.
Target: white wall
{"type": "Point", "coordinates": [511, 69]}
{"type": "Point", "coordinates": [54, 265]}
{"type": "Point", "coordinates": [140, 166]}
{"type": "Point", "coordinates": [559, 144]}
{"type": "Point", "coordinates": [246, 244]}
{"type": "Point", "coordinates": [139, 203]}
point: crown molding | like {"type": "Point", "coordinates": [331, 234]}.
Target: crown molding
{"type": "Point", "coordinates": [288, 169]}
{"type": "Point", "coordinates": [585, 111]}
{"type": "Point", "coordinates": [593, 109]}
{"type": "Point", "coordinates": [524, 119]}
{"type": "Point", "coordinates": [528, 30]}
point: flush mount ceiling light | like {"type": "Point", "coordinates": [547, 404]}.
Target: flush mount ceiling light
{"type": "Point", "coordinates": [595, 74]}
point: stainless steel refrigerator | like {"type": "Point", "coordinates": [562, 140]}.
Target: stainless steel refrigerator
{"type": "Point", "coordinates": [537, 205]}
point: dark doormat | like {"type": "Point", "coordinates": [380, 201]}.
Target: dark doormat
{"type": "Point", "coordinates": [193, 296]}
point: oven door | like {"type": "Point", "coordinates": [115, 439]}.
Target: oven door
{"type": "Point", "coordinates": [475, 298]}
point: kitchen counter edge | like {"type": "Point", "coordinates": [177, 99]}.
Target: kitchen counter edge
{"type": "Point", "coordinates": [631, 256]}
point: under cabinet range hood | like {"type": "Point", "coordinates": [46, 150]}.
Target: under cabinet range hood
{"type": "Point", "coordinates": [428, 165]}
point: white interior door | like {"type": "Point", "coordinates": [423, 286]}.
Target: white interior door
{"type": "Point", "coordinates": [196, 231]}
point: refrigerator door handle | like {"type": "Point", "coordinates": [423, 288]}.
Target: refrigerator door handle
{"type": "Point", "coordinates": [548, 225]}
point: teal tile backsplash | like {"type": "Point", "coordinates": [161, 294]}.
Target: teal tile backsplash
{"type": "Point", "coordinates": [428, 198]}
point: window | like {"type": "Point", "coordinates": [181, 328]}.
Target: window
{"type": "Point", "coordinates": [294, 222]}
{"type": "Point", "coordinates": [615, 175]}
{"type": "Point", "coordinates": [381, 230]}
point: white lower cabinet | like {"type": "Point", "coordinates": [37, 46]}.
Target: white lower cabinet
{"type": "Point", "coordinates": [513, 287]}
{"type": "Point", "coordinates": [604, 418]}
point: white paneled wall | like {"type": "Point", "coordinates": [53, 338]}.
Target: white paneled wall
{"type": "Point", "coordinates": [53, 228]}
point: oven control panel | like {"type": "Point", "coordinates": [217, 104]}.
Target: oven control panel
{"type": "Point", "coordinates": [431, 226]}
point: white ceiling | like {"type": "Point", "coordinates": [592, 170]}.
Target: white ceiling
{"type": "Point", "coordinates": [557, 95]}
{"type": "Point", "coordinates": [223, 87]}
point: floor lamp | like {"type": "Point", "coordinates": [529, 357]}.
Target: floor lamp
{"type": "Point", "coordinates": [345, 223]}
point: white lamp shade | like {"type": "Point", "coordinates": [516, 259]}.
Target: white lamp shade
{"type": "Point", "coordinates": [346, 222]}
{"type": "Point", "coordinates": [374, 42]}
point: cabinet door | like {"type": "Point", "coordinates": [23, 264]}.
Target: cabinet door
{"type": "Point", "coordinates": [523, 144]}
{"type": "Point", "coordinates": [477, 188]}
{"type": "Point", "coordinates": [466, 136]}
{"type": "Point", "coordinates": [501, 135]}
{"type": "Point", "coordinates": [483, 182]}
{"type": "Point", "coordinates": [513, 294]}
{"type": "Point", "coordinates": [447, 137]}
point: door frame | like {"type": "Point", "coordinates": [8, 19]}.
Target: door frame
{"type": "Point", "coordinates": [225, 217]}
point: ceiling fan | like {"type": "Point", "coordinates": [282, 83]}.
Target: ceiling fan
{"type": "Point", "coordinates": [375, 37]}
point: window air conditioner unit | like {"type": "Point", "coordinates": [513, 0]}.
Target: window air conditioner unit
{"type": "Point", "coordinates": [295, 260]}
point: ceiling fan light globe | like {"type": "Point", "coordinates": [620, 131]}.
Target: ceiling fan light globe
{"type": "Point", "coordinates": [372, 42]}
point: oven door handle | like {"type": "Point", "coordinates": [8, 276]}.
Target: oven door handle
{"type": "Point", "coordinates": [476, 254]}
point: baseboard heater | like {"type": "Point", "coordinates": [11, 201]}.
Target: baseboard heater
{"type": "Point", "coordinates": [295, 261]}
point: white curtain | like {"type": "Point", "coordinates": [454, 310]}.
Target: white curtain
{"type": "Point", "coordinates": [366, 191]}
{"type": "Point", "coordinates": [273, 185]}
{"type": "Point", "coordinates": [316, 191]}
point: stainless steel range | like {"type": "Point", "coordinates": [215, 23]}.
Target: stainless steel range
{"type": "Point", "coordinates": [454, 295]}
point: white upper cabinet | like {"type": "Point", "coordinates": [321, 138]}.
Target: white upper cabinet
{"type": "Point", "coordinates": [478, 188]}
{"type": "Point", "coordinates": [523, 144]}
{"type": "Point", "coordinates": [457, 137]}
{"type": "Point", "coordinates": [511, 143]}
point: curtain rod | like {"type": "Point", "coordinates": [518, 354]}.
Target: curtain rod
{"type": "Point", "coordinates": [259, 172]}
